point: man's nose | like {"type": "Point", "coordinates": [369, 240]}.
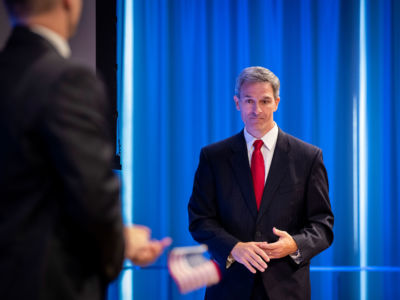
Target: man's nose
{"type": "Point", "coordinates": [256, 108]}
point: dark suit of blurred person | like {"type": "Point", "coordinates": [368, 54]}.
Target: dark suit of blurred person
{"type": "Point", "coordinates": [61, 231]}
{"type": "Point", "coordinates": [264, 252]}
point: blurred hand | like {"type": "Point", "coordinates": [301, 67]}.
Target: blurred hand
{"type": "Point", "coordinates": [284, 246]}
{"type": "Point", "coordinates": [139, 248]}
{"type": "Point", "coordinates": [251, 255]}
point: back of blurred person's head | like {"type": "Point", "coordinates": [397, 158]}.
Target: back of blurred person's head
{"type": "Point", "coordinates": [60, 15]}
{"type": "Point", "coordinates": [26, 8]}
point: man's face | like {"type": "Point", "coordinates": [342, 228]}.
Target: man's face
{"type": "Point", "coordinates": [257, 106]}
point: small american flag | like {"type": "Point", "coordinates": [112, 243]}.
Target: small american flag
{"type": "Point", "coordinates": [191, 270]}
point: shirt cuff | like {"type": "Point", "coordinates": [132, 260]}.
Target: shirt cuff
{"type": "Point", "coordinates": [229, 261]}
{"type": "Point", "coordinates": [296, 257]}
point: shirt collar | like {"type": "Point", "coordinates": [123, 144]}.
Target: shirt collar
{"type": "Point", "coordinates": [54, 38]}
{"type": "Point", "coordinates": [269, 139]}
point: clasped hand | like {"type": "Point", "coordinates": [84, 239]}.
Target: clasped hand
{"type": "Point", "coordinates": [139, 248]}
{"type": "Point", "coordinates": [255, 255]}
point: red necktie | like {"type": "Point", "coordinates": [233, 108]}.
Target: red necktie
{"type": "Point", "coordinates": [258, 171]}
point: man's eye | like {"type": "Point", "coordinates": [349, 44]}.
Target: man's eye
{"type": "Point", "coordinates": [249, 101]}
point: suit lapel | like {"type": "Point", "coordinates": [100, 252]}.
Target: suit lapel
{"type": "Point", "coordinates": [241, 169]}
{"type": "Point", "coordinates": [277, 171]}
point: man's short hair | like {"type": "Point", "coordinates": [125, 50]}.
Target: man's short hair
{"type": "Point", "coordinates": [24, 8]}
{"type": "Point", "coordinates": [257, 74]}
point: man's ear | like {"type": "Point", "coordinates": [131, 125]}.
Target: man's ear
{"type": "Point", "coordinates": [66, 4]}
{"type": "Point", "coordinates": [277, 103]}
{"type": "Point", "coordinates": [236, 99]}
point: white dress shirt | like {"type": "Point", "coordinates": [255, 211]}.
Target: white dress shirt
{"type": "Point", "coordinates": [267, 149]}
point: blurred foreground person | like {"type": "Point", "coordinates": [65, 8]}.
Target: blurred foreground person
{"type": "Point", "coordinates": [61, 231]}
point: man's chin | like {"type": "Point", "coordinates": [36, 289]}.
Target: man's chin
{"type": "Point", "coordinates": [257, 132]}
{"type": "Point", "coordinates": [72, 32]}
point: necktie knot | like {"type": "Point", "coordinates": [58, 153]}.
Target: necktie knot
{"type": "Point", "coordinates": [258, 144]}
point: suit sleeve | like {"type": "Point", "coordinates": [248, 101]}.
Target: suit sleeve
{"type": "Point", "coordinates": [75, 130]}
{"type": "Point", "coordinates": [317, 234]}
{"type": "Point", "coordinates": [204, 224]}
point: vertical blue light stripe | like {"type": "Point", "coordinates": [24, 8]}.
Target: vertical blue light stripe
{"type": "Point", "coordinates": [355, 178]}
{"type": "Point", "coordinates": [363, 165]}
{"type": "Point", "coordinates": [127, 113]}
{"type": "Point", "coordinates": [164, 213]}
{"type": "Point", "coordinates": [127, 132]}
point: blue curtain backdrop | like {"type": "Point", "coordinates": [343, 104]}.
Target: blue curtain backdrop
{"type": "Point", "coordinates": [339, 66]}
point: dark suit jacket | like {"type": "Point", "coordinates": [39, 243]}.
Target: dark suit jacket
{"type": "Point", "coordinates": [60, 215]}
{"type": "Point", "coordinates": [222, 212]}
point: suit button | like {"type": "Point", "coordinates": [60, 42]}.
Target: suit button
{"type": "Point", "coordinates": [258, 234]}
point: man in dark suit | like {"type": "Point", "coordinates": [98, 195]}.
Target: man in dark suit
{"type": "Point", "coordinates": [260, 201]}
{"type": "Point", "coordinates": [61, 232]}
